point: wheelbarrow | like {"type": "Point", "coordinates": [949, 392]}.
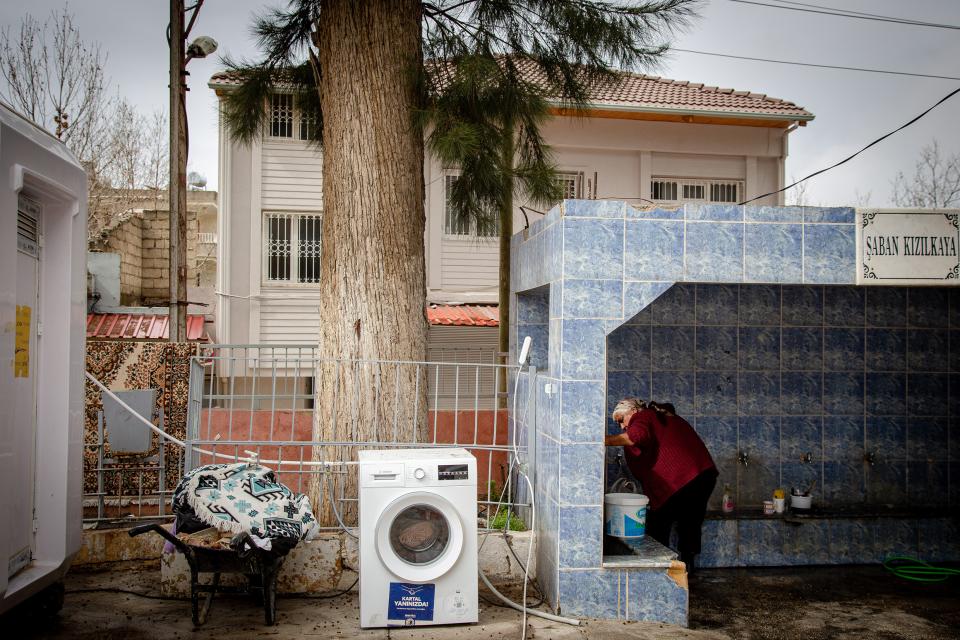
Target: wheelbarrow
{"type": "Point", "coordinates": [259, 565]}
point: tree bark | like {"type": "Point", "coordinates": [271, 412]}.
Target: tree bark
{"type": "Point", "coordinates": [373, 288]}
{"type": "Point", "coordinates": [506, 233]}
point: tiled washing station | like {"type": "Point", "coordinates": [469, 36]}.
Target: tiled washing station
{"type": "Point", "coordinates": [749, 320]}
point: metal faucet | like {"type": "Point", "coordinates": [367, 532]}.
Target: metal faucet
{"type": "Point", "coordinates": [743, 458]}
{"type": "Point", "coordinates": [806, 458]}
{"type": "Point", "coordinates": [870, 457]}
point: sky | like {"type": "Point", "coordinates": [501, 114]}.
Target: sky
{"type": "Point", "coordinates": [851, 108]}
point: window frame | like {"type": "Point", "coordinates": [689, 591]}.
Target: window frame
{"type": "Point", "coordinates": [707, 184]}
{"type": "Point", "coordinates": [471, 233]}
{"type": "Point", "coordinates": [294, 217]}
{"type": "Point", "coordinates": [299, 122]}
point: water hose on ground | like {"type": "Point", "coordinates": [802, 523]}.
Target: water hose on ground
{"type": "Point", "coordinates": [917, 570]}
{"type": "Point", "coordinates": [531, 612]}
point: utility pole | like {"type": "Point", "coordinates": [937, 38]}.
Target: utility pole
{"type": "Point", "coordinates": [178, 175]}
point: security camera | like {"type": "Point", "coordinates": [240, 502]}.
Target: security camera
{"type": "Point", "coordinates": [201, 47]}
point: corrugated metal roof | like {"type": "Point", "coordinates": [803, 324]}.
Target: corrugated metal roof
{"type": "Point", "coordinates": [463, 315]}
{"type": "Point", "coordinates": [138, 326]}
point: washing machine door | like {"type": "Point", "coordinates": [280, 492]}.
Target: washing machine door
{"type": "Point", "coordinates": [419, 536]}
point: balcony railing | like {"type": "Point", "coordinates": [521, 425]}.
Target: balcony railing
{"type": "Point", "coordinates": [206, 238]}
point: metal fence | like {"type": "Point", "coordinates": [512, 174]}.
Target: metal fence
{"type": "Point", "coordinates": [262, 400]}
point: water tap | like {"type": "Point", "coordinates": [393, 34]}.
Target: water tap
{"type": "Point", "coordinates": [743, 458]}
{"type": "Point", "coordinates": [870, 457]}
{"type": "Point", "coordinates": [806, 458]}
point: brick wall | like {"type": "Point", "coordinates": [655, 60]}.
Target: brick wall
{"type": "Point", "coordinates": [156, 248]}
{"type": "Point", "coordinates": [127, 240]}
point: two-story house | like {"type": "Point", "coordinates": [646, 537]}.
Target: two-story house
{"type": "Point", "coordinates": [648, 140]}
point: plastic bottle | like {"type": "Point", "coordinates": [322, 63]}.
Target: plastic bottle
{"type": "Point", "coordinates": [727, 502]}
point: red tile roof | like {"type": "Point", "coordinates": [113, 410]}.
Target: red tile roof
{"type": "Point", "coordinates": [138, 326]}
{"type": "Point", "coordinates": [463, 315]}
{"type": "Point", "coordinates": [652, 93]}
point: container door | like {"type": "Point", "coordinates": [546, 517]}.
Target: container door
{"type": "Point", "coordinates": [25, 384]}
{"type": "Point", "coordinates": [419, 536]}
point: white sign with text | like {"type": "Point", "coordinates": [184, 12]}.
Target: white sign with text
{"type": "Point", "coordinates": [908, 246]}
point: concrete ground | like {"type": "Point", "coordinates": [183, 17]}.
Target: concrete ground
{"type": "Point", "coordinates": [755, 604]}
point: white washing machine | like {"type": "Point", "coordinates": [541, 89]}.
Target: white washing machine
{"type": "Point", "coordinates": [418, 537]}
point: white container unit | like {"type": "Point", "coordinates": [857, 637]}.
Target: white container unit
{"type": "Point", "coordinates": [43, 229]}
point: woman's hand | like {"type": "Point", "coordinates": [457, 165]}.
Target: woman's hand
{"type": "Point", "coordinates": [618, 440]}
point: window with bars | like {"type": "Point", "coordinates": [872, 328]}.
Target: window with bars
{"type": "Point", "coordinates": [291, 248]}
{"type": "Point", "coordinates": [679, 190]}
{"type": "Point", "coordinates": [287, 121]}
{"type": "Point", "coordinates": [571, 183]}
{"type": "Point", "coordinates": [456, 225]}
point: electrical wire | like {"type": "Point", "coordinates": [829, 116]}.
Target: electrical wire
{"type": "Point", "coordinates": [851, 14]}
{"type": "Point", "coordinates": [854, 155]}
{"type": "Point", "coordinates": [818, 66]}
{"type": "Point", "coordinates": [322, 596]}
{"type": "Point", "coordinates": [139, 594]}
{"type": "Point", "coordinates": [917, 570]}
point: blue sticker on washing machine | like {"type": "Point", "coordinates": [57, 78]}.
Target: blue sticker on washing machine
{"type": "Point", "coordinates": [411, 601]}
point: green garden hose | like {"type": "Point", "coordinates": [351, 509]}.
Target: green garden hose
{"type": "Point", "coordinates": [918, 570]}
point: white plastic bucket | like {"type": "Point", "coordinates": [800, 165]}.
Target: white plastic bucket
{"type": "Point", "coordinates": [626, 515]}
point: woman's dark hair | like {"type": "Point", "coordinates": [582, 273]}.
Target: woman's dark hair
{"type": "Point", "coordinates": [668, 408]}
{"type": "Point", "coordinates": [658, 411]}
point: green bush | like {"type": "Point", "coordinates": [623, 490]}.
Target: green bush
{"type": "Point", "coordinates": [500, 521]}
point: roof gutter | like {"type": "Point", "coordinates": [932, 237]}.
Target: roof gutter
{"type": "Point", "coordinates": [686, 112]}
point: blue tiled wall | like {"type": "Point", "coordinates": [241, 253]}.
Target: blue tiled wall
{"type": "Point", "coordinates": [779, 371]}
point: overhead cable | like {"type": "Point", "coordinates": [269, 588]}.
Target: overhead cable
{"type": "Point", "coordinates": [819, 66]}
{"type": "Point", "coordinates": [851, 157]}
{"type": "Point", "coordinates": [856, 15]}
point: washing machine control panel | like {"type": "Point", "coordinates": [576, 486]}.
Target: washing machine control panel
{"type": "Point", "coordinates": [452, 472]}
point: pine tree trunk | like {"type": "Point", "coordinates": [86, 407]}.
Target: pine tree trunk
{"type": "Point", "coordinates": [506, 233]}
{"type": "Point", "coordinates": [372, 273]}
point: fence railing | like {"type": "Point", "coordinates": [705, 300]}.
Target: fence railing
{"type": "Point", "coordinates": [307, 417]}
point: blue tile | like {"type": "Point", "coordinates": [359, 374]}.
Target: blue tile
{"type": "Point", "coordinates": [843, 306]}
{"type": "Point", "coordinates": [800, 475]}
{"type": "Point", "coordinates": [843, 483]}
{"type": "Point", "coordinates": [761, 543]}
{"type": "Point", "coordinates": [887, 484]}
{"type": "Point", "coordinates": [954, 338]}
{"type": "Point", "coordinates": [668, 386]}
{"type": "Point", "coordinates": [654, 213]}
{"type": "Point", "coordinates": [801, 392]}
{"type": "Point", "coordinates": [593, 208]}
{"type": "Point", "coordinates": [719, 544]}
{"type": "Point", "coordinates": [927, 393]}
{"type": "Point", "coordinates": [803, 306]}
{"type": "Point", "coordinates": [592, 298]}
{"type": "Point", "coordinates": [720, 436]}
{"type": "Point", "coordinates": [940, 539]}
{"type": "Point", "coordinates": [953, 406]}
{"type": "Point", "coordinates": [581, 537]}
{"type": "Point", "coordinates": [548, 408]}
{"type": "Point", "coordinates": [760, 436]}
{"type": "Point", "coordinates": [625, 384]}
{"type": "Point", "coordinates": [843, 349]}
{"type": "Point", "coordinates": [714, 252]}
{"type": "Point", "coordinates": [954, 308]}
{"type": "Point", "coordinates": [753, 213]}
{"type": "Point", "coordinates": [533, 307]}
{"type": "Point", "coordinates": [927, 439]}
{"type": "Point", "coordinates": [851, 542]}
{"type": "Point", "coordinates": [553, 237]}
{"type": "Point", "coordinates": [773, 253]}
{"type": "Point", "coordinates": [654, 596]}
{"type": "Point", "coordinates": [800, 435]}
{"type": "Point", "coordinates": [714, 212]}
{"type": "Point", "coordinates": [886, 349]}
{"type": "Point", "coordinates": [672, 348]}
{"type": "Point", "coordinates": [628, 348]}
{"type": "Point", "coordinates": [716, 393]}
{"type": "Point", "coordinates": [555, 299]}
{"type": "Point", "coordinates": [843, 393]}
{"type": "Point", "coordinates": [717, 304]}
{"type": "Point", "coordinates": [555, 340]}
{"type": "Point", "coordinates": [830, 255]}
{"type": "Point", "coordinates": [759, 304]}
{"type": "Point", "coordinates": [582, 409]}
{"type": "Point", "coordinates": [581, 474]}
{"type": "Point", "coordinates": [807, 543]}
{"type": "Point", "coordinates": [593, 249]}
{"type": "Point", "coordinates": [716, 348]}
{"type": "Point", "coordinates": [886, 394]}
{"type": "Point", "coordinates": [886, 307]}
{"type": "Point", "coordinates": [584, 343]}
{"type": "Point", "coordinates": [928, 307]}
{"type": "Point", "coordinates": [654, 250]}
{"type": "Point", "coordinates": [829, 214]}
{"type": "Point", "coordinates": [759, 393]}
{"type": "Point", "coordinates": [675, 306]}
{"type": "Point", "coordinates": [927, 484]}
{"type": "Point", "coordinates": [843, 439]}
{"type": "Point", "coordinates": [802, 349]}
{"type": "Point", "coordinates": [757, 481]}
{"type": "Point", "coordinates": [548, 471]}
{"type": "Point", "coordinates": [539, 345]}
{"type": "Point", "coordinates": [887, 438]}
{"type": "Point", "coordinates": [927, 350]}
{"type": "Point", "coordinates": [896, 537]}
{"type": "Point", "coordinates": [638, 296]}
{"type": "Point", "coordinates": [759, 348]}
{"type": "Point", "coordinates": [590, 593]}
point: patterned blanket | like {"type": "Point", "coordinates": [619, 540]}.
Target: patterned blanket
{"type": "Point", "coordinates": [245, 497]}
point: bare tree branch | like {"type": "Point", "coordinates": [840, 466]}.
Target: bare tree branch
{"type": "Point", "coordinates": [935, 182]}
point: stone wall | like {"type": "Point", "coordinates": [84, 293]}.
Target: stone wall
{"type": "Point", "coordinates": [156, 252]}
{"type": "Point", "coordinates": [127, 241]}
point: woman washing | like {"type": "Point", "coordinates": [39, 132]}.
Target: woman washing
{"type": "Point", "coordinates": [674, 467]}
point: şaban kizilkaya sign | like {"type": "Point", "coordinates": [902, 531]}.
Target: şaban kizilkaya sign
{"type": "Point", "coordinates": [904, 246]}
